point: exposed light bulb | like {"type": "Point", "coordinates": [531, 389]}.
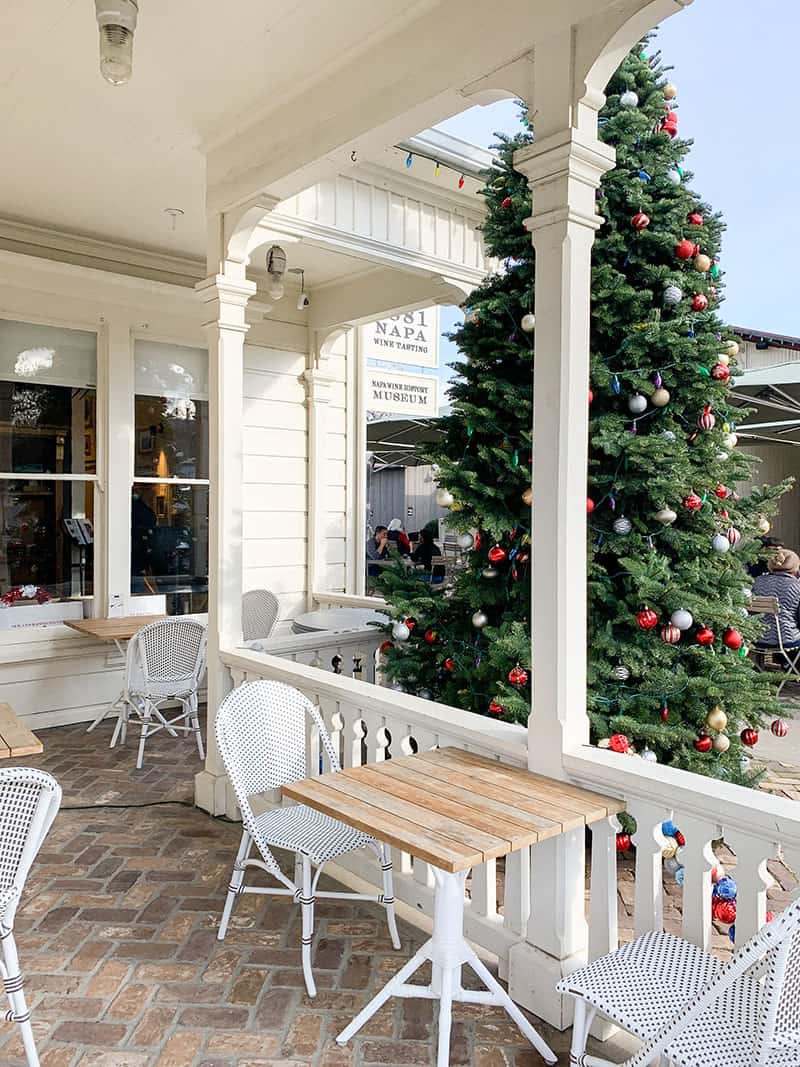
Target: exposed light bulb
{"type": "Point", "coordinates": [276, 290]}
{"type": "Point", "coordinates": [116, 20]}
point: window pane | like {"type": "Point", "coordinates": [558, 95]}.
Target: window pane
{"type": "Point", "coordinates": [47, 355]}
{"type": "Point", "coordinates": [171, 437]}
{"type": "Point", "coordinates": [169, 544]}
{"type": "Point", "coordinates": [47, 429]}
{"type": "Point", "coordinates": [46, 536]}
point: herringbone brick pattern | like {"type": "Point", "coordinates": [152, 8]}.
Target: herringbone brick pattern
{"type": "Point", "coordinates": [116, 935]}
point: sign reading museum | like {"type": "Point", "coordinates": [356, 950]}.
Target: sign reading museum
{"type": "Point", "coordinates": [411, 338]}
{"type": "Point", "coordinates": [401, 394]}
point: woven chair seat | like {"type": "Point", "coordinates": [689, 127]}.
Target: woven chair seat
{"type": "Point", "coordinates": [302, 829]}
{"type": "Point", "coordinates": [7, 897]}
{"type": "Point", "coordinates": [646, 984]}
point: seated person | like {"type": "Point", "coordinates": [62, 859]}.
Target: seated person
{"type": "Point", "coordinates": [760, 565]}
{"type": "Point", "coordinates": [781, 581]}
{"type": "Point", "coordinates": [427, 549]}
{"type": "Point", "coordinates": [399, 537]}
{"type": "Point", "coordinates": [377, 548]}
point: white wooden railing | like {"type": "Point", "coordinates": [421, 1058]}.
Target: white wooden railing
{"type": "Point", "coordinates": [369, 723]}
{"type": "Point", "coordinates": [351, 654]}
{"type": "Point", "coordinates": [347, 600]}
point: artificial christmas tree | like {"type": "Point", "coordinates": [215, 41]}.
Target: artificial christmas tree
{"type": "Point", "coordinates": [669, 542]}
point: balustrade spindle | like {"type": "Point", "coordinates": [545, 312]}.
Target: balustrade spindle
{"type": "Point", "coordinates": [603, 919]}
{"type": "Point", "coordinates": [698, 860]}
{"type": "Point", "coordinates": [649, 887]}
{"type": "Point", "coordinates": [752, 880]}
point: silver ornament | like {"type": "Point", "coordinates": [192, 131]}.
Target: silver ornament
{"type": "Point", "coordinates": [671, 865]}
{"type": "Point", "coordinates": [622, 526]}
{"type": "Point", "coordinates": [637, 404]}
{"type": "Point", "coordinates": [480, 619]}
{"type": "Point", "coordinates": [648, 755]}
{"type": "Point", "coordinates": [666, 516]}
{"type": "Point", "coordinates": [674, 176]}
{"type": "Point", "coordinates": [400, 632]}
{"type": "Point", "coordinates": [620, 673]}
{"type": "Point", "coordinates": [628, 99]}
{"type": "Point", "coordinates": [722, 456]}
{"type": "Point", "coordinates": [668, 435]}
{"type": "Point", "coordinates": [744, 762]}
{"type": "Point", "coordinates": [489, 572]}
{"type": "Point", "coordinates": [444, 498]}
{"type": "Point", "coordinates": [465, 541]}
{"type": "Point", "coordinates": [424, 694]}
{"type": "Point", "coordinates": [681, 618]}
{"type": "Point", "coordinates": [528, 322]}
{"type": "Point", "coordinates": [720, 544]}
{"type": "Point", "coordinates": [672, 295]}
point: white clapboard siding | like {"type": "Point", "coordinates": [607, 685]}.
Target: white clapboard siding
{"type": "Point", "coordinates": [261, 525]}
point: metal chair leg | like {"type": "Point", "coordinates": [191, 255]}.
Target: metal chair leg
{"type": "Point", "coordinates": [12, 983]}
{"type": "Point", "coordinates": [307, 913]}
{"type": "Point", "coordinates": [235, 884]}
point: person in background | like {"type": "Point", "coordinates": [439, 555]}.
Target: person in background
{"type": "Point", "coordinates": [378, 544]}
{"type": "Point", "coordinates": [398, 535]}
{"type": "Point", "coordinates": [427, 549]}
{"type": "Point", "coordinates": [782, 582]}
{"type": "Point", "coordinates": [760, 565]}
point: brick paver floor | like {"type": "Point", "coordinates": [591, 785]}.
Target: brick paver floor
{"type": "Point", "coordinates": [116, 934]}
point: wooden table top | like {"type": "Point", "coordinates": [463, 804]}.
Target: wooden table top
{"type": "Point", "coordinates": [452, 808]}
{"type": "Point", "coordinates": [121, 628]}
{"type": "Point", "coordinates": [16, 739]}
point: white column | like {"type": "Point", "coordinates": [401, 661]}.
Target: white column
{"type": "Point", "coordinates": [225, 299]}
{"type": "Point", "coordinates": [119, 463]}
{"type": "Point", "coordinates": [564, 170]}
{"type": "Point", "coordinates": [318, 388]}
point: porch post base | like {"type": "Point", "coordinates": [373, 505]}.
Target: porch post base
{"type": "Point", "coordinates": [532, 979]}
{"type": "Point", "coordinates": [214, 794]}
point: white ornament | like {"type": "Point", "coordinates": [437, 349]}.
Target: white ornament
{"type": "Point", "coordinates": [747, 592]}
{"type": "Point", "coordinates": [666, 516]}
{"type": "Point", "coordinates": [722, 456]}
{"type": "Point", "coordinates": [763, 524]}
{"type": "Point", "coordinates": [400, 632]}
{"type": "Point", "coordinates": [674, 176]}
{"type": "Point", "coordinates": [723, 358]}
{"type": "Point", "coordinates": [479, 620]}
{"type": "Point", "coordinates": [444, 498]}
{"type": "Point", "coordinates": [682, 619]}
{"type": "Point", "coordinates": [649, 755]}
{"type": "Point", "coordinates": [720, 543]}
{"type": "Point", "coordinates": [528, 322]}
{"type": "Point", "coordinates": [465, 541]}
{"type": "Point", "coordinates": [622, 526]}
{"type": "Point", "coordinates": [744, 762]}
{"type": "Point", "coordinates": [673, 295]}
{"type": "Point", "coordinates": [629, 99]}
{"type": "Point", "coordinates": [620, 673]}
{"type": "Point", "coordinates": [637, 404]}
{"type": "Point", "coordinates": [489, 572]}
{"type": "Point", "coordinates": [730, 440]}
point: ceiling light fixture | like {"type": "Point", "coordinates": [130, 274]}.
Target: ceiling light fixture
{"type": "Point", "coordinates": [276, 268]}
{"type": "Point", "coordinates": [116, 20]}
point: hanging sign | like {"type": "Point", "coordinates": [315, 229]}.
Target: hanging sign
{"type": "Point", "coordinates": [401, 394]}
{"type": "Point", "coordinates": [411, 338]}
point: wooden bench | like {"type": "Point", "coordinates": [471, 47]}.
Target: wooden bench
{"type": "Point", "coordinates": [16, 739]}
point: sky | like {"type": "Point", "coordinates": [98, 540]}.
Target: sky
{"type": "Point", "coordinates": [735, 67]}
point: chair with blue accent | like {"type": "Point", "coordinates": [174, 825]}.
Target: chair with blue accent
{"type": "Point", "coordinates": [270, 734]}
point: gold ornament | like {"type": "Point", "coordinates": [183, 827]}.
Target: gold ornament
{"type": "Point", "coordinates": [763, 524]}
{"type": "Point", "coordinates": [717, 719]}
{"type": "Point", "coordinates": [527, 497]}
{"type": "Point", "coordinates": [660, 397]}
{"type": "Point", "coordinates": [702, 262]}
{"type": "Point", "coordinates": [456, 506]}
{"type": "Point", "coordinates": [732, 348]}
{"type": "Point", "coordinates": [724, 359]}
{"type": "Point", "coordinates": [670, 91]}
{"type": "Point", "coordinates": [668, 852]}
{"type": "Point", "coordinates": [721, 743]}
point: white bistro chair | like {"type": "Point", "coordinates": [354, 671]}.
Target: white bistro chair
{"type": "Point", "coordinates": [164, 664]}
{"type": "Point", "coordinates": [768, 606]}
{"type": "Point", "coordinates": [260, 612]}
{"type": "Point", "coordinates": [29, 800]}
{"type": "Point", "coordinates": [691, 1010]}
{"type": "Point", "coordinates": [263, 734]}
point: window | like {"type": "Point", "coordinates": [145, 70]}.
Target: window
{"type": "Point", "coordinates": [169, 496]}
{"type": "Point", "coordinates": [48, 458]}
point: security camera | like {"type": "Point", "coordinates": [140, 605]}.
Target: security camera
{"type": "Point", "coordinates": [303, 302]}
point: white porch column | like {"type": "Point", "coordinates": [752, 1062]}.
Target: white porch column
{"type": "Point", "coordinates": [225, 298]}
{"type": "Point", "coordinates": [564, 170]}
{"type": "Point", "coordinates": [318, 391]}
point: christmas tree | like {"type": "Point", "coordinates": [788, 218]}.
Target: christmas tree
{"type": "Point", "coordinates": [669, 538]}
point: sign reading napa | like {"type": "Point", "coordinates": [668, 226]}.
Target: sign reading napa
{"type": "Point", "coordinates": [401, 394]}
{"type": "Point", "coordinates": [411, 338]}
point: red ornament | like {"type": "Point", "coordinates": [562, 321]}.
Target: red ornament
{"type": "Point", "coordinates": [696, 219]}
{"type": "Point", "coordinates": [770, 916]}
{"type": "Point", "coordinates": [721, 491]}
{"type": "Point", "coordinates": [681, 840]}
{"type": "Point", "coordinates": [640, 221]}
{"type": "Point", "coordinates": [385, 647]}
{"type": "Point", "coordinates": [449, 665]}
{"type": "Point", "coordinates": [724, 911]}
{"type": "Point", "coordinates": [685, 249]}
{"type": "Point", "coordinates": [619, 743]}
{"type": "Point", "coordinates": [670, 634]}
{"type": "Point", "coordinates": [780, 727]}
{"type": "Point", "coordinates": [477, 543]}
{"type": "Point", "coordinates": [699, 302]}
{"type": "Point", "coordinates": [591, 396]}
{"type": "Point", "coordinates": [704, 636]}
{"type": "Point", "coordinates": [749, 736]}
{"type": "Point", "coordinates": [706, 420]}
{"type": "Point", "coordinates": [647, 618]}
{"type": "Point", "coordinates": [692, 502]}
{"type": "Point", "coordinates": [720, 373]}
{"type": "Point", "coordinates": [497, 554]}
{"type": "Point", "coordinates": [495, 708]}
{"type": "Point", "coordinates": [703, 743]}
{"type": "Point", "coordinates": [724, 513]}
{"type": "Point", "coordinates": [670, 124]}
{"type": "Point", "coordinates": [430, 636]}
{"type": "Point", "coordinates": [411, 623]}
{"type": "Point", "coordinates": [732, 638]}
{"type": "Point", "coordinates": [518, 675]}
{"type": "Point", "coordinates": [589, 505]}
{"type": "Point", "coordinates": [623, 842]}
{"type": "Point", "coordinates": [506, 202]}
{"type": "Point", "coordinates": [665, 714]}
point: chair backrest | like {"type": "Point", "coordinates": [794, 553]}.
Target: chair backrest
{"type": "Point", "coordinates": [779, 1008]}
{"type": "Point", "coordinates": [763, 605]}
{"type": "Point", "coordinates": [262, 732]}
{"type": "Point", "coordinates": [169, 651]}
{"type": "Point", "coordinates": [260, 612]}
{"type": "Point", "coordinates": [29, 800]}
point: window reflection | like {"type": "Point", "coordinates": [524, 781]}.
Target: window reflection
{"type": "Point", "coordinates": [169, 544]}
{"type": "Point", "coordinates": [171, 437]}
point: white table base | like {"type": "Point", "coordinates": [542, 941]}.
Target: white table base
{"type": "Point", "coordinates": [114, 703]}
{"type": "Point", "coordinates": [448, 951]}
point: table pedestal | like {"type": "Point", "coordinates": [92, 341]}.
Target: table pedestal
{"type": "Point", "coordinates": [448, 951]}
